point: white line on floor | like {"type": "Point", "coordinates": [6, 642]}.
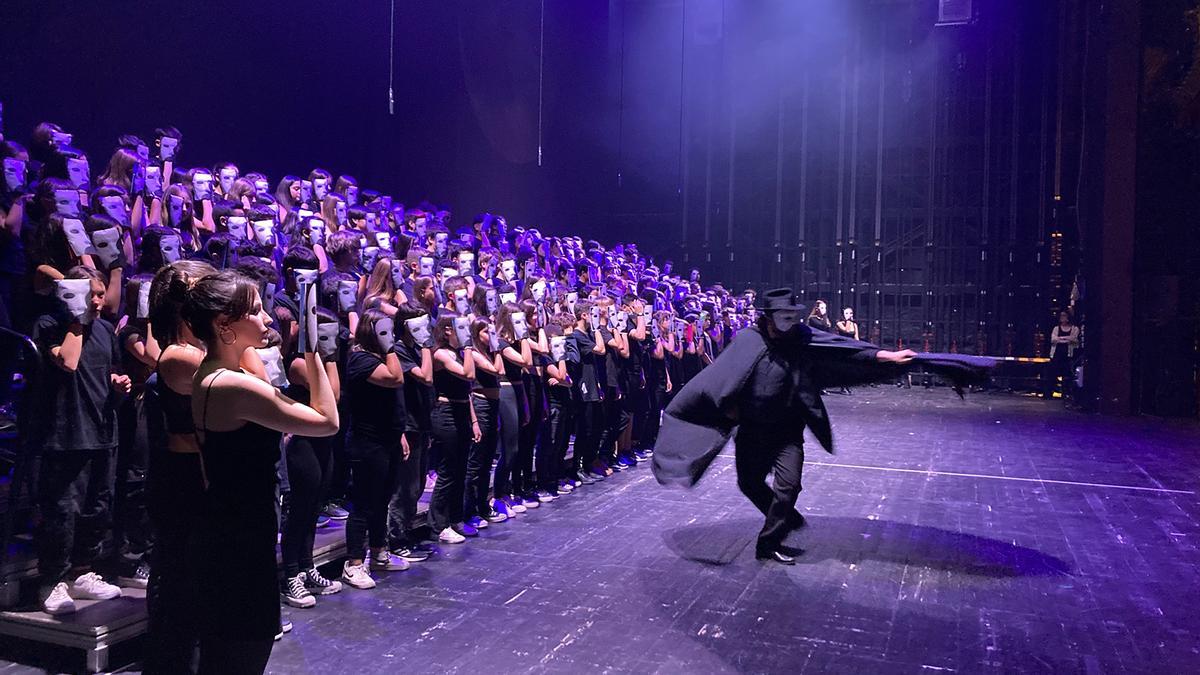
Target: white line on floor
{"type": "Point", "coordinates": [930, 472]}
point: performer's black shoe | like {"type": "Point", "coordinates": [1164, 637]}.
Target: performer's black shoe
{"type": "Point", "coordinates": [778, 555]}
{"type": "Point", "coordinates": [797, 520]}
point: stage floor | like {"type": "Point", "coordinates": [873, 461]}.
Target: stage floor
{"type": "Point", "coordinates": [999, 534]}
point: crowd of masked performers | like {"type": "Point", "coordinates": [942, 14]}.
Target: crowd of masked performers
{"type": "Point", "coordinates": [230, 361]}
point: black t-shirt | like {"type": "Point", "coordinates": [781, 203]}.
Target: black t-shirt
{"type": "Point", "coordinates": [418, 396]}
{"type": "Point", "coordinates": [512, 372]}
{"type": "Point", "coordinates": [377, 414]}
{"type": "Point", "coordinates": [587, 386]}
{"type": "Point", "coordinates": [79, 408]}
{"type": "Point", "coordinates": [635, 377]}
{"type": "Point", "coordinates": [615, 365]}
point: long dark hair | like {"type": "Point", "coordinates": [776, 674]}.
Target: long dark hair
{"type": "Point", "coordinates": [226, 294]}
{"type": "Point", "coordinates": [168, 292]}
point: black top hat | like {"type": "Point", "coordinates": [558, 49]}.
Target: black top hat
{"type": "Point", "coordinates": [781, 298]}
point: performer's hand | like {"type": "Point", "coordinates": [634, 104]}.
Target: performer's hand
{"type": "Point", "coordinates": [895, 357]}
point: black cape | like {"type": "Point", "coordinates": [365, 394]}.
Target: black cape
{"type": "Point", "coordinates": [702, 416]}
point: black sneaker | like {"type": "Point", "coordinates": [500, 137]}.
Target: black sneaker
{"type": "Point", "coordinates": [295, 594]}
{"type": "Point", "coordinates": [139, 577]}
{"type": "Point", "coordinates": [319, 585]}
{"type": "Point", "coordinates": [285, 626]}
{"type": "Point", "coordinates": [410, 554]}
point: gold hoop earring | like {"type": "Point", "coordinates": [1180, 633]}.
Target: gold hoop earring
{"type": "Point", "coordinates": [221, 336]}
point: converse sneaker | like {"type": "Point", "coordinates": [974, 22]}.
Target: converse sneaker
{"type": "Point", "coordinates": [412, 555]}
{"type": "Point", "coordinates": [357, 576]}
{"type": "Point", "coordinates": [91, 587]}
{"type": "Point", "coordinates": [295, 594]}
{"type": "Point", "coordinates": [335, 511]}
{"type": "Point", "coordinates": [477, 522]}
{"type": "Point", "coordinates": [317, 584]}
{"type": "Point", "coordinates": [529, 501]}
{"type": "Point", "coordinates": [138, 577]}
{"type": "Point", "coordinates": [58, 601]}
{"type": "Point", "coordinates": [285, 626]}
{"type": "Point", "coordinates": [501, 508]}
{"type": "Point", "coordinates": [384, 561]}
{"type": "Point", "coordinates": [545, 497]}
{"type": "Point", "coordinates": [449, 536]}
{"type": "Point", "coordinates": [565, 486]}
{"type": "Point", "coordinates": [515, 505]}
{"type": "Point", "coordinates": [496, 517]}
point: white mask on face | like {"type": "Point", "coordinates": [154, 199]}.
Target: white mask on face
{"type": "Point", "coordinates": [319, 188]}
{"type": "Point", "coordinates": [352, 195]}
{"type": "Point", "coordinates": [419, 329]}
{"type": "Point", "coordinates": [622, 321]}
{"type": "Point", "coordinates": [426, 266]}
{"type": "Point", "coordinates": [264, 232]}
{"type": "Point", "coordinates": [114, 207]}
{"type": "Point", "coordinates": [168, 246]}
{"type": "Point", "coordinates": [369, 257]}
{"type": "Point", "coordinates": [439, 243]}
{"type": "Point", "coordinates": [166, 147]}
{"type": "Point", "coordinates": [201, 185]}
{"type": "Point", "coordinates": [493, 300]}
{"type": "Point", "coordinates": [372, 220]}
{"type": "Point", "coordinates": [78, 172]}
{"type": "Point", "coordinates": [237, 227]}
{"type": "Point", "coordinates": [383, 240]}
{"type": "Point", "coordinates": [462, 329]}
{"type": "Point", "coordinates": [397, 274]}
{"type": "Point", "coordinates": [175, 210]}
{"type": "Point", "coordinates": [308, 319]}
{"type": "Point", "coordinates": [143, 153]}
{"type": "Point", "coordinates": [66, 203]}
{"type": "Point", "coordinates": [316, 231]}
{"type": "Point", "coordinates": [460, 301]}
{"type": "Point", "coordinates": [143, 301]}
{"type": "Point", "coordinates": [76, 294]}
{"type": "Point", "coordinates": [449, 273]}
{"type": "Point", "coordinates": [107, 244]}
{"type": "Point", "coordinates": [520, 328]}
{"type": "Point", "coordinates": [466, 264]}
{"type": "Point", "coordinates": [558, 348]}
{"type": "Point", "coordinates": [273, 363]}
{"type": "Point", "coordinates": [305, 277]}
{"type": "Point", "coordinates": [508, 269]}
{"type": "Point", "coordinates": [304, 214]}
{"type": "Point", "coordinates": [77, 237]}
{"type": "Point", "coordinates": [306, 190]}
{"type": "Point", "coordinates": [786, 319]}
{"type": "Point", "coordinates": [421, 228]}
{"type": "Point", "coordinates": [383, 330]}
{"type": "Point", "coordinates": [327, 343]}
{"type": "Point", "coordinates": [508, 297]}
{"type": "Point", "coordinates": [228, 175]}
{"type": "Point", "coordinates": [572, 298]}
{"type": "Point", "coordinates": [539, 291]}
{"type": "Point", "coordinates": [262, 187]}
{"type": "Point", "coordinates": [14, 174]}
{"type": "Point", "coordinates": [347, 290]}
{"type": "Point", "coordinates": [340, 212]}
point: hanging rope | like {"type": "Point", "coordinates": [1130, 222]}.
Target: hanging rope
{"type": "Point", "coordinates": [541, 75]}
{"type": "Point", "coordinates": [392, 59]}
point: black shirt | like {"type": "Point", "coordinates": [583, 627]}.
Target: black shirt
{"type": "Point", "coordinates": [418, 396]}
{"type": "Point", "coordinates": [615, 365]}
{"type": "Point", "coordinates": [79, 408]}
{"type": "Point", "coordinates": [377, 414]}
{"type": "Point", "coordinates": [587, 386]}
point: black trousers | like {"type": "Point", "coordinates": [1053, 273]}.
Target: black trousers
{"type": "Point", "coordinates": [655, 403]}
{"type": "Point", "coordinates": [234, 657]}
{"type": "Point", "coordinates": [617, 418]}
{"type": "Point", "coordinates": [552, 449]}
{"type": "Point", "coordinates": [1059, 366]}
{"type": "Point", "coordinates": [75, 497]}
{"type": "Point", "coordinates": [132, 535]}
{"type": "Point", "coordinates": [374, 472]}
{"type": "Point", "coordinates": [589, 425]}
{"type": "Point", "coordinates": [176, 489]}
{"type": "Point", "coordinates": [402, 510]}
{"type": "Point", "coordinates": [514, 413]}
{"type": "Point", "coordinates": [452, 438]}
{"type": "Point", "coordinates": [759, 454]}
{"type": "Point", "coordinates": [309, 466]}
{"type": "Point", "coordinates": [637, 402]}
{"type": "Point", "coordinates": [527, 440]}
{"type": "Point", "coordinates": [479, 458]}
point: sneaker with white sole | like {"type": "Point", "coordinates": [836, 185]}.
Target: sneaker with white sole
{"type": "Point", "coordinates": [545, 497]}
{"type": "Point", "coordinates": [566, 486]}
{"type": "Point", "coordinates": [58, 601]}
{"type": "Point", "coordinates": [91, 587]}
{"type": "Point", "coordinates": [515, 505]}
{"type": "Point", "coordinates": [357, 576]}
{"type": "Point", "coordinates": [449, 536]}
{"type": "Point", "coordinates": [317, 584]}
{"type": "Point", "coordinates": [385, 561]}
{"type": "Point", "coordinates": [138, 577]}
{"type": "Point", "coordinates": [496, 517]}
{"type": "Point", "coordinates": [412, 555]}
{"type": "Point", "coordinates": [295, 594]}
{"type": "Point", "coordinates": [529, 501]}
{"type": "Point", "coordinates": [477, 522]}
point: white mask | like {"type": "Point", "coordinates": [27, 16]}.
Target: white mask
{"type": "Point", "coordinates": [143, 301]}
{"type": "Point", "coordinates": [520, 328]}
{"type": "Point", "coordinates": [419, 329]}
{"type": "Point", "coordinates": [340, 212]}
{"type": "Point", "coordinates": [462, 329]}
{"type": "Point", "coordinates": [508, 297]}
{"type": "Point", "coordinates": [426, 266]}
{"type": "Point", "coordinates": [228, 175]}
{"type": "Point", "coordinates": [78, 172]}
{"type": "Point", "coordinates": [508, 268]}
{"type": "Point", "coordinates": [168, 246]}
{"type": "Point", "coordinates": [383, 330]}
{"type": "Point", "coordinates": [66, 203]}
{"type": "Point", "coordinates": [77, 237]}
{"type": "Point", "coordinates": [327, 342]}
{"type": "Point", "coordinates": [14, 174]}
{"type": "Point", "coordinates": [466, 264]}
{"type": "Point", "coordinates": [237, 227]}
{"type": "Point", "coordinates": [166, 147]}
{"type": "Point", "coordinates": [305, 277]}
{"type": "Point", "coordinates": [319, 188]}
{"type": "Point", "coordinates": [262, 187]}
{"type": "Point", "coordinates": [77, 295]}
{"type": "Point", "coordinates": [397, 274]}
{"type": "Point", "coordinates": [201, 185]}
{"type": "Point", "coordinates": [449, 273]}
{"type": "Point", "coordinates": [273, 362]}
{"type": "Point", "coordinates": [369, 257]}
{"type": "Point", "coordinates": [558, 348]}
{"type": "Point", "coordinates": [114, 207]}
{"type": "Point", "coordinates": [786, 319]}
{"type": "Point", "coordinates": [308, 319]}
{"type": "Point", "coordinates": [460, 301]}
{"type": "Point", "coordinates": [107, 245]}
{"type": "Point", "coordinates": [316, 231]}
{"type": "Point", "coordinates": [439, 243]}
{"type": "Point", "coordinates": [539, 291]}
{"type": "Point", "coordinates": [384, 240]}
{"type": "Point", "coordinates": [347, 292]}
{"type": "Point", "coordinates": [352, 194]}
{"type": "Point", "coordinates": [572, 298]}
{"type": "Point", "coordinates": [264, 232]}
{"type": "Point", "coordinates": [493, 300]}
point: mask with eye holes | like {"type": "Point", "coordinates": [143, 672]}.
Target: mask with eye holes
{"type": "Point", "coordinates": [383, 240]}
{"type": "Point", "coordinates": [237, 227]}
{"type": "Point", "coordinates": [327, 340]}
{"type": "Point", "coordinates": [320, 188]}
{"type": "Point", "coordinates": [425, 266]}
{"type": "Point", "coordinates": [201, 185]}
{"type": "Point", "coordinates": [303, 278]}
{"type": "Point", "coordinates": [273, 364]}
{"type": "Point", "coordinates": [264, 232]}
{"type": "Point", "coordinates": [114, 207]}
{"type": "Point", "coordinates": [372, 220]}
{"type": "Point", "coordinates": [66, 203]}
{"type": "Point", "coordinates": [492, 298]}
{"type": "Point", "coordinates": [508, 269]}
{"type": "Point", "coordinates": [77, 237]}
{"type": "Point", "coordinates": [76, 294]}
{"type": "Point", "coordinates": [316, 230]}
{"type": "Point", "coordinates": [558, 347]}
{"type": "Point", "coordinates": [14, 174]}
{"type": "Point", "coordinates": [440, 242]}
{"type": "Point", "coordinates": [175, 205]}
{"type": "Point", "coordinates": [340, 213]}
{"type": "Point", "coordinates": [369, 256]}
{"type": "Point", "coordinates": [520, 327]}
{"type": "Point", "coordinates": [352, 195]}
{"type": "Point", "coordinates": [167, 147]}
{"type": "Point", "coordinates": [462, 330]}
{"type": "Point", "coordinates": [107, 245]}
{"type": "Point", "coordinates": [154, 181]}
{"type": "Point", "coordinates": [78, 172]}
{"type": "Point", "coordinates": [420, 331]}
{"type": "Point", "coordinates": [262, 187]}
{"type": "Point", "coordinates": [538, 290]}
{"type": "Point", "coordinates": [383, 331]}
{"type": "Point", "coordinates": [466, 264]}
{"type": "Point", "coordinates": [226, 177]}
{"type": "Point", "coordinates": [168, 246]}
{"type": "Point", "coordinates": [306, 191]}
{"type": "Point", "coordinates": [461, 305]}
{"type": "Point", "coordinates": [346, 292]}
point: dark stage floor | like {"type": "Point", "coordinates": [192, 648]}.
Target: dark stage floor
{"type": "Point", "coordinates": [997, 534]}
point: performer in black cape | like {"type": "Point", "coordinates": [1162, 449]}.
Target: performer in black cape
{"type": "Point", "coordinates": [764, 390]}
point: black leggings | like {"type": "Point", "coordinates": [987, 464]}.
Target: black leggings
{"type": "Point", "coordinates": [402, 511]}
{"type": "Point", "coordinates": [617, 419]}
{"type": "Point", "coordinates": [309, 466]}
{"type": "Point", "coordinates": [479, 460]}
{"type": "Point", "coordinates": [452, 438]}
{"type": "Point", "coordinates": [527, 440]}
{"type": "Point", "coordinates": [514, 411]}
{"type": "Point", "coordinates": [374, 471]}
{"type": "Point", "coordinates": [589, 420]}
{"type": "Point", "coordinates": [175, 494]}
{"type": "Point", "coordinates": [552, 450]}
{"type": "Point", "coordinates": [234, 657]}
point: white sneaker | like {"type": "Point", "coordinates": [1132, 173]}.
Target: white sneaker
{"type": "Point", "coordinates": [59, 601]}
{"type": "Point", "coordinates": [357, 576]}
{"type": "Point", "coordinates": [91, 587]}
{"type": "Point", "coordinates": [449, 536]}
{"type": "Point", "coordinates": [384, 561]}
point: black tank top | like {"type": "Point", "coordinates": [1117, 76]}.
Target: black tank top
{"type": "Point", "coordinates": [450, 386]}
{"type": "Point", "coordinates": [176, 407]}
{"type": "Point", "coordinates": [240, 464]}
{"type": "Point", "coordinates": [486, 380]}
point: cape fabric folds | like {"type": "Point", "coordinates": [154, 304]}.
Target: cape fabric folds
{"type": "Point", "coordinates": [702, 416]}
